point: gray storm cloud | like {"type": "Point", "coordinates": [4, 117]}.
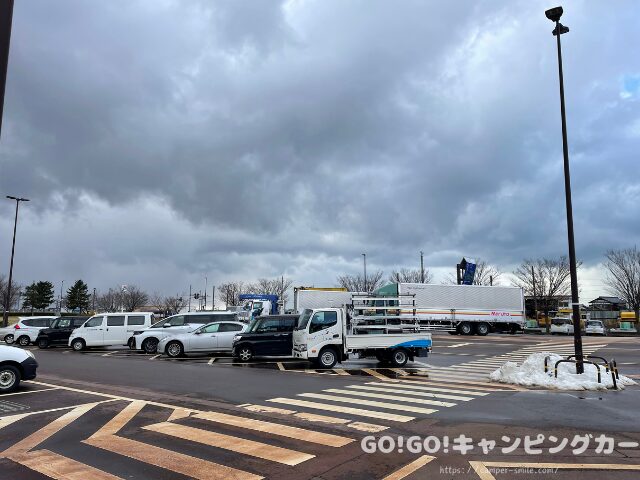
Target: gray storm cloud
{"type": "Point", "coordinates": [252, 139]}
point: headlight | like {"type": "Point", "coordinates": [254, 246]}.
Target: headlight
{"type": "Point", "coordinates": [302, 347]}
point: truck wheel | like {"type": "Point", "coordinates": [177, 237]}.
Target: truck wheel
{"type": "Point", "coordinates": [399, 357]}
{"type": "Point", "coordinates": [465, 328]}
{"type": "Point", "coordinates": [327, 358]}
{"type": "Point", "coordinates": [24, 341]}
{"type": "Point", "coordinates": [43, 343]}
{"type": "Point", "coordinates": [9, 378]}
{"type": "Point", "coordinates": [482, 329]}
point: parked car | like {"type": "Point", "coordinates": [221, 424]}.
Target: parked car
{"type": "Point", "coordinates": [561, 325]}
{"type": "Point", "coordinates": [16, 364]}
{"type": "Point", "coordinates": [595, 327]}
{"type": "Point", "coordinates": [213, 337]}
{"type": "Point", "coordinates": [147, 340]}
{"type": "Point", "coordinates": [25, 331]}
{"type": "Point", "coordinates": [59, 331]}
{"type": "Point", "coordinates": [109, 329]}
{"type": "Point", "coordinates": [4, 331]}
{"type": "Point", "coordinates": [266, 336]}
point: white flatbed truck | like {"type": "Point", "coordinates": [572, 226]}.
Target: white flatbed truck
{"type": "Point", "coordinates": [327, 336]}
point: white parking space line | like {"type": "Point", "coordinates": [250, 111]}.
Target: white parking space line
{"type": "Point", "coordinates": [30, 391]}
{"type": "Point", "coordinates": [341, 409]}
{"type": "Point", "coordinates": [410, 392]}
{"type": "Point", "coordinates": [428, 386]}
{"type": "Point", "coordinates": [369, 403]}
{"type": "Point", "coordinates": [405, 399]}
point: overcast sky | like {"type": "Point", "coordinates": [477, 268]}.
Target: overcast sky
{"type": "Point", "coordinates": [164, 141]}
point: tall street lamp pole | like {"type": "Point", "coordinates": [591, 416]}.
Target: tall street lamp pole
{"type": "Point", "coordinates": [554, 15]}
{"type": "Point", "coordinates": [364, 260]}
{"type": "Point", "coordinates": [7, 304]}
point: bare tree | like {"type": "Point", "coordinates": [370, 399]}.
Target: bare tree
{"type": "Point", "coordinates": [172, 305]}
{"type": "Point", "coordinates": [110, 301]}
{"type": "Point", "coordinates": [623, 276]}
{"type": "Point", "coordinates": [552, 279]}
{"type": "Point", "coordinates": [230, 292]}
{"type": "Point", "coordinates": [277, 286]}
{"type": "Point", "coordinates": [408, 275]}
{"type": "Point", "coordinates": [133, 298]}
{"type": "Point", "coordinates": [356, 283]}
{"type": "Point", "coordinates": [15, 294]}
{"type": "Point", "coordinates": [486, 274]}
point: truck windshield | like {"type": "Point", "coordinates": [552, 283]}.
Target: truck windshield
{"type": "Point", "coordinates": [304, 319]}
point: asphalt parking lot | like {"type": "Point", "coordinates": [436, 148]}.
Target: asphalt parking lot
{"type": "Point", "coordinates": [121, 414]}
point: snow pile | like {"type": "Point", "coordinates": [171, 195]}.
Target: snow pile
{"type": "Point", "coordinates": [531, 374]}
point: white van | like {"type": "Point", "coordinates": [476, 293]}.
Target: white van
{"type": "Point", "coordinates": [107, 329]}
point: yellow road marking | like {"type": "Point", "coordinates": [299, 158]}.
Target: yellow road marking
{"type": "Point", "coordinates": [39, 436]}
{"type": "Point", "coordinates": [4, 421]}
{"type": "Point", "coordinates": [341, 371]}
{"type": "Point", "coordinates": [234, 444]}
{"type": "Point", "coordinates": [477, 391]}
{"type": "Point", "coordinates": [30, 391]}
{"type": "Point", "coordinates": [178, 413]}
{"type": "Point", "coordinates": [314, 417]}
{"type": "Point", "coordinates": [340, 409]}
{"type": "Point", "coordinates": [60, 468]}
{"type": "Point", "coordinates": [409, 468]}
{"type": "Point", "coordinates": [370, 403]}
{"type": "Point", "coordinates": [395, 398]}
{"type": "Point", "coordinates": [410, 392]}
{"type": "Point", "coordinates": [276, 429]}
{"type": "Point", "coordinates": [114, 425]}
{"type": "Point", "coordinates": [379, 376]}
{"type": "Point", "coordinates": [267, 409]}
{"type": "Point", "coordinates": [211, 360]}
{"type": "Point", "coordinates": [280, 366]}
{"type": "Point", "coordinates": [155, 356]}
{"type": "Point", "coordinates": [399, 371]}
{"type": "Point", "coordinates": [367, 427]}
{"type": "Point", "coordinates": [187, 465]}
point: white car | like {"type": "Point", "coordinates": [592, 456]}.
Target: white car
{"type": "Point", "coordinates": [109, 329]}
{"type": "Point", "coordinates": [595, 327]}
{"type": "Point", "coordinates": [147, 340]}
{"type": "Point", "coordinates": [213, 337]}
{"type": "Point", "coordinates": [561, 325]}
{"type": "Point", "coordinates": [15, 365]}
{"type": "Point", "coordinates": [26, 330]}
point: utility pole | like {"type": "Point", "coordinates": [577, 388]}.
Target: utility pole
{"type": "Point", "coordinates": [94, 301]}
{"type": "Point", "coordinates": [205, 292]}
{"type": "Point", "coordinates": [60, 298]}
{"type": "Point", "coordinates": [421, 266]}
{"type": "Point", "coordinates": [554, 15]}
{"type": "Point", "coordinates": [535, 297]}
{"type": "Point", "coordinates": [213, 298]}
{"type": "Point", "coordinates": [6, 18]}
{"type": "Point", "coordinates": [189, 298]}
{"type": "Point", "coordinates": [364, 259]}
{"type": "Point", "coordinates": [5, 315]}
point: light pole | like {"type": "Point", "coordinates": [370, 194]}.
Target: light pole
{"type": "Point", "coordinates": [205, 292]}
{"type": "Point", "coordinates": [7, 306]}
{"type": "Point", "coordinates": [554, 15]}
{"type": "Point", "coordinates": [421, 266]}
{"type": "Point", "coordinates": [60, 298]}
{"type": "Point", "coordinates": [364, 260]}
{"type": "Point", "coordinates": [93, 308]}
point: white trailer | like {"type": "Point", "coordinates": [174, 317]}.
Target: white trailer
{"type": "Point", "coordinates": [310, 297]}
{"type": "Point", "coordinates": [459, 309]}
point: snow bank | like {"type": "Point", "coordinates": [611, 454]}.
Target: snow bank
{"type": "Point", "coordinates": [531, 374]}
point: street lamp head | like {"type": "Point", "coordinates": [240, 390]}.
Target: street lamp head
{"type": "Point", "coordinates": [560, 28]}
{"type": "Point", "coordinates": [554, 14]}
{"type": "Point", "coordinates": [17, 199]}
